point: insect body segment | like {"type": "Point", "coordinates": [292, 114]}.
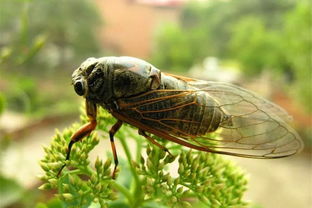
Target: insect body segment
{"type": "Point", "coordinates": [183, 110]}
{"type": "Point", "coordinates": [176, 112]}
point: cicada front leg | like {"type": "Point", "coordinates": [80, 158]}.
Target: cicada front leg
{"type": "Point", "coordinates": [83, 131]}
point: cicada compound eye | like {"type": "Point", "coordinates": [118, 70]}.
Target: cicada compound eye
{"type": "Point", "coordinates": [79, 87]}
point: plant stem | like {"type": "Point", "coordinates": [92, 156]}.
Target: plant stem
{"type": "Point", "coordinates": [129, 158]}
{"type": "Point", "coordinates": [138, 150]}
{"type": "Point", "coordinates": [137, 190]}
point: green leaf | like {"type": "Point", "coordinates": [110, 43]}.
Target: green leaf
{"type": "Point", "coordinates": [10, 191]}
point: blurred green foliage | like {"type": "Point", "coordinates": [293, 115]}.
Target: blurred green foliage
{"type": "Point", "coordinates": [38, 98]}
{"type": "Point", "coordinates": [258, 34]}
{"type": "Point", "coordinates": [41, 42]}
{"type": "Point", "coordinates": [204, 180]}
{"type": "Point", "coordinates": [57, 32]}
{"type": "Point", "coordinates": [208, 27]}
{"type": "Point", "coordinates": [10, 191]}
{"type": "Point", "coordinates": [14, 194]}
{"type": "Point", "coordinates": [53, 203]}
{"type": "Point", "coordinates": [298, 48]}
{"type": "Point", "coordinates": [2, 103]}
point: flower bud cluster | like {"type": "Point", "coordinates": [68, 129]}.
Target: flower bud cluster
{"type": "Point", "coordinates": [203, 177]}
{"type": "Point", "coordinates": [200, 177]}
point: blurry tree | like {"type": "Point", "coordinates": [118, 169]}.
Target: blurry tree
{"type": "Point", "coordinates": [57, 32]}
{"type": "Point", "coordinates": [286, 50]}
{"type": "Point", "coordinates": [258, 34]}
{"type": "Point", "coordinates": [208, 27]}
{"type": "Point", "coordinates": [298, 49]}
{"type": "Point", "coordinates": [256, 47]}
{"type": "Point", "coordinates": [178, 49]}
{"type": "Point", "coordinates": [39, 39]}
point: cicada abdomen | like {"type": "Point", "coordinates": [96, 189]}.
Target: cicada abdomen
{"type": "Point", "coordinates": [178, 112]}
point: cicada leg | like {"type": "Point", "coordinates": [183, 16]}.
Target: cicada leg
{"type": "Point", "coordinates": [112, 132]}
{"type": "Point", "coordinates": [143, 133]}
{"type": "Point", "coordinates": [83, 131]}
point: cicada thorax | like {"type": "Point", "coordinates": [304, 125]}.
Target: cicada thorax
{"type": "Point", "coordinates": [178, 109]}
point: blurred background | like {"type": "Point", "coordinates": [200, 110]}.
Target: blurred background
{"type": "Point", "coordinates": [262, 45]}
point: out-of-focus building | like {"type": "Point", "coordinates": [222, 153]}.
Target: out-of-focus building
{"type": "Point", "coordinates": [130, 25]}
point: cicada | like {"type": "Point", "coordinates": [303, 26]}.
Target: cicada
{"type": "Point", "coordinates": [182, 110]}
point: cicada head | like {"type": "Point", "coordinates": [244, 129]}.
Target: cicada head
{"type": "Point", "coordinates": [80, 76]}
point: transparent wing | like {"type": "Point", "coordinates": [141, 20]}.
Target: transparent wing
{"type": "Point", "coordinates": [255, 128]}
{"type": "Point", "coordinates": [252, 126]}
{"type": "Point", "coordinates": [220, 87]}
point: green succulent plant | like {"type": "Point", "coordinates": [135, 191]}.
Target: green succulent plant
{"type": "Point", "coordinates": [145, 178]}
